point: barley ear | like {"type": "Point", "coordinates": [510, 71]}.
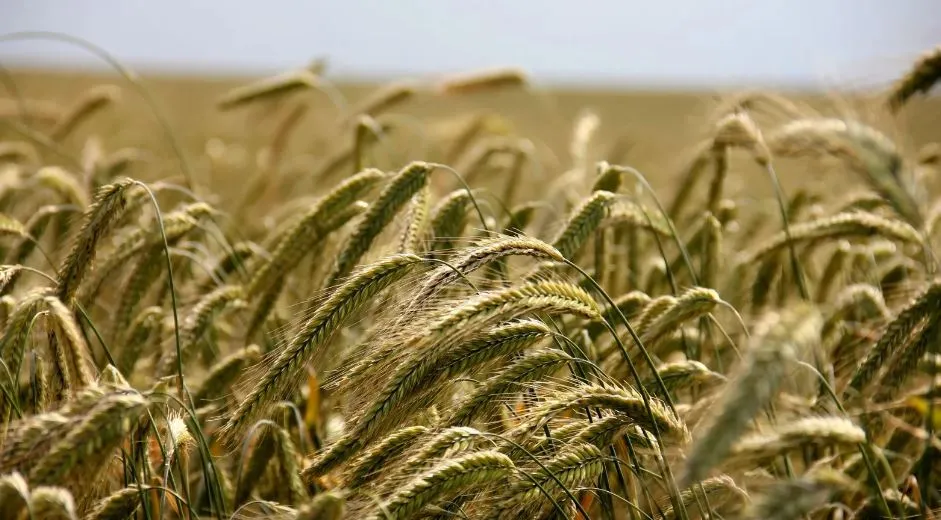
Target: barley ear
{"type": "Point", "coordinates": [107, 206]}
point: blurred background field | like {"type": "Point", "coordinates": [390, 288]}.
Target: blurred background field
{"type": "Point", "coordinates": [652, 130]}
{"type": "Point", "coordinates": [655, 74]}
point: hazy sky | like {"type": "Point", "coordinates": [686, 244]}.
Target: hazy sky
{"type": "Point", "coordinates": [815, 43]}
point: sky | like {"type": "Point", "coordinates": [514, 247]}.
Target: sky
{"type": "Point", "coordinates": [662, 43]}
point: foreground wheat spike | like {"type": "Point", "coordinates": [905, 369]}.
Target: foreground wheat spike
{"type": "Point", "coordinates": [144, 243]}
{"type": "Point", "coordinates": [923, 75]}
{"type": "Point", "coordinates": [104, 428]}
{"type": "Point", "coordinates": [904, 364]}
{"type": "Point", "coordinates": [107, 207]}
{"type": "Point", "coordinates": [447, 479]}
{"type": "Point", "coordinates": [365, 468]}
{"type": "Point", "coordinates": [448, 219]}
{"type": "Point", "coordinates": [282, 373]}
{"type": "Point", "coordinates": [530, 367]}
{"type": "Point", "coordinates": [575, 466]}
{"type": "Point", "coordinates": [16, 333]}
{"type": "Point", "coordinates": [119, 505]}
{"type": "Point", "coordinates": [582, 222]}
{"type": "Point", "coordinates": [70, 351]}
{"type": "Point", "coordinates": [198, 321]}
{"type": "Point", "coordinates": [31, 438]}
{"type": "Point", "coordinates": [619, 400]}
{"type": "Point", "coordinates": [456, 438]}
{"type": "Point", "coordinates": [396, 194]}
{"type": "Point", "coordinates": [420, 376]}
{"type": "Point", "coordinates": [844, 225]}
{"type": "Point", "coordinates": [653, 309]}
{"type": "Point", "coordinates": [718, 491]}
{"type": "Point", "coordinates": [793, 499]}
{"type": "Point", "coordinates": [328, 505]}
{"type": "Point", "coordinates": [223, 373]}
{"type": "Point", "coordinates": [819, 431]}
{"type": "Point", "coordinates": [607, 430]}
{"type": "Point", "coordinates": [416, 220]}
{"type": "Point", "coordinates": [310, 228]}
{"type": "Point", "coordinates": [548, 297]}
{"type": "Point", "coordinates": [52, 503]}
{"type": "Point", "coordinates": [480, 311]}
{"type": "Point", "coordinates": [753, 388]}
{"type": "Point", "coordinates": [925, 306]}
{"type": "Point", "coordinates": [692, 304]}
{"type": "Point", "coordinates": [473, 258]}
{"type": "Point", "coordinates": [274, 443]}
{"type": "Point", "coordinates": [14, 494]}
{"type": "Point", "coordinates": [680, 374]}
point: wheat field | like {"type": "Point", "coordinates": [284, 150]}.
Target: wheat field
{"type": "Point", "coordinates": [466, 297]}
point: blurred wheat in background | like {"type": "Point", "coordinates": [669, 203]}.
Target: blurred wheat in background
{"type": "Point", "coordinates": [468, 295]}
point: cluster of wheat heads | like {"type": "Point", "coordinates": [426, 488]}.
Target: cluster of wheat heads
{"type": "Point", "coordinates": [479, 340]}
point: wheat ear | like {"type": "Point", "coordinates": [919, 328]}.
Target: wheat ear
{"type": "Point", "coordinates": [309, 340]}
